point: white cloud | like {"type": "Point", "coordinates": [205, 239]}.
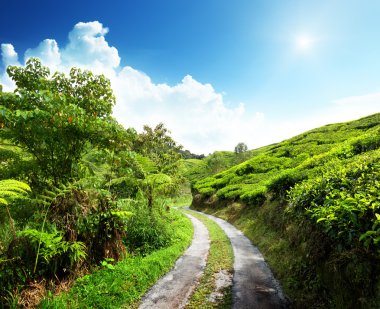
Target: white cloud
{"type": "Point", "coordinates": [48, 52]}
{"type": "Point", "coordinates": [196, 113]}
{"type": "Point", "coordinates": [354, 107]}
{"type": "Point", "coordinates": [8, 57]}
{"type": "Point", "coordinates": [88, 47]}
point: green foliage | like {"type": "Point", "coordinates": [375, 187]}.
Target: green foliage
{"type": "Point", "coordinates": [344, 200]}
{"type": "Point", "coordinates": [122, 285]}
{"type": "Point", "coordinates": [282, 182]}
{"type": "Point", "coordinates": [240, 148]}
{"type": "Point", "coordinates": [318, 220]}
{"type": "Point", "coordinates": [254, 197]}
{"type": "Point", "coordinates": [158, 146]}
{"type": "Point", "coordinates": [53, 118]}
{"type": "Point", "coordinates": [274, 169]}
{"type": "Point", "coordinates": [195, 170]}
{"type": "Point", "coordinates": [89, 175]}
{"type": "Point", "coordinates": [108, 263]}
{"type": "Point", "coordinates": [10, 189]}
{"type": "Point", "coordinates": [54, 251]}
{"type": "Point", "coordinates": [149, 230]}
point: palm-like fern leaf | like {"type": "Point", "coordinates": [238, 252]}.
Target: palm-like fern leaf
{"type": "Point", "coordinates": [12, 188]}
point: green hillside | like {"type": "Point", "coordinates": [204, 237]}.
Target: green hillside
{"type": "Point", "coordinates": [195, 169]}
{"type": "Point", "coordinates": [316, 197]}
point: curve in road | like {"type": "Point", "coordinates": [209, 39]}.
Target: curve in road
{"type": "Point", "coordinates": [254, 285]}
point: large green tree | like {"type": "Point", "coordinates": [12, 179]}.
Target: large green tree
{"type": "Point", "coordinates": [55, 116]}
{"type": "Point", "coordinates": [159, 161]}
{"type": "Point", "coordinates": [156, 144]}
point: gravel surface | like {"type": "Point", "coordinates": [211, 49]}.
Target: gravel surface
{"type": "Point", "coordinates": [173, 290]}
{"type": "Point", "coordinates": [254, 285]}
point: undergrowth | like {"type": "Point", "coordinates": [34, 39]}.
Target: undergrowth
{"type": "Point", "coordinates": [123, 284]}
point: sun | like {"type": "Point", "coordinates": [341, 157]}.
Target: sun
{"type": "Point", "coordinates": [304, 42]}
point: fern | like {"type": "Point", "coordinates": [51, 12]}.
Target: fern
{"type": "Point", "coordinates": [51, 246]}
{"type": "Point", "coordinates": [46, 200]}
{"type": "Point", "coordinates": [146, 164]}
{"type": "Point", "coordinates": [10, 189]}
{"type": "Point", "coordinates": [13, 189]}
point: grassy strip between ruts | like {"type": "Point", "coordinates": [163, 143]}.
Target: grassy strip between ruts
{"type": "Point", "coordinates": [219, 266]}
{"type": "Point", "coordinates": [123, 286]}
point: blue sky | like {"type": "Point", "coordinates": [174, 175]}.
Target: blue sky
{"type": "Point", "coordinates": [216, 72]}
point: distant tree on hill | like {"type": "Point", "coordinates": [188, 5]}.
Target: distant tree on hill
{"type": "Point", "coordinates": [186, 154]}
{"type": "Point", "coordinates": [240, 148]}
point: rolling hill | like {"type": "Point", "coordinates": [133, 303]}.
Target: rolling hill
{"type": "Point", "coordinates": [312, 205]}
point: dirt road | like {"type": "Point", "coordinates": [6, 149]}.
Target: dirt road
{"type": "Point", "coordinates": [254, 285]}
{"type": "Point", "coordinates": [173, 290]}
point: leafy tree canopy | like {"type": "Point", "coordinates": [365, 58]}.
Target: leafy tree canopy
{"type": "Point", "coordinates": [55, 117]}
{"type": "Point", "coordinates": [240, 148]}
{"type": "Point", "coordinates": [157, 145]}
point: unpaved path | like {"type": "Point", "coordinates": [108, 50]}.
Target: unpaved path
{"type": "Point", "coordinates": [253, 283]}
{"type": "Point", "coordinates": [173, 290]}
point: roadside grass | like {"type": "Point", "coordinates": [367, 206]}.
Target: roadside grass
{"type": "Point", "coordinates": [220, 259]}
{"type": "Point", "coordinates": [183, 200]}
{"type": "Point", "coordinates": [126, 282]}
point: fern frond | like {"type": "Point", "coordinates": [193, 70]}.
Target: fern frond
{"type": "Point", "coordinates": [147, 165]}
{"type": "Point", "coordinates": [3, 201]}
{"type": "Point", "coordinates": [12, 188]}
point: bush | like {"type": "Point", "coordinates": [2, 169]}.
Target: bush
{"type": "Point", "coordinates": [344, 202]}
{"type": "Point", "coordinates": [255, 197]}
{"type": "Point", "coordinates": [149, 229]}
{"type": "Point", "coordinates": [54, 253]}
{"type": "Point", "coordinates": [229, 192]}
{"type": "Point", "coordinates": [371, 142]}
{"type": "Point", "coordinates": [281, 183]}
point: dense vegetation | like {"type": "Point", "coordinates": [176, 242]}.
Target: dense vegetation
{"type": "Point", "coordinates": [122, 285]}
{"type": "Point", "coordinates": [318, 194]}
{"type": "Point", "coordinates": [77, 190]}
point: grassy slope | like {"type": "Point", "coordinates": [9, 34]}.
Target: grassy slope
{"type": "Point", "coordinates": [301, 154]}
{"type": "Point", "coordinates": [124, 285]}
{"type": "Point", "coordinates": [214, 163]}
{"type": "Point", "coordinates": [316, 267]}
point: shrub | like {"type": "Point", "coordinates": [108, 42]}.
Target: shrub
{"type": "Point", "coordinates": [343, 201]}
{"type": "Point", "coordinates": [255, 197]}
{"type": "Point", "coordinates": [281, 183]}
{"type": "Point", "coordinates": [371, 142]}
{"type": "Point", "coordinates": [149, 229]}
{"type": "Point", "coordinates": [207, 191]}
{"type": "Point", "coordinates": [230, 192]}
{"type": "Point", "coordinates": [52, 252]}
